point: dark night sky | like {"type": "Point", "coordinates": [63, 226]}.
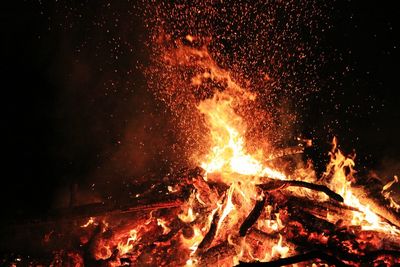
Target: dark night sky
{"type": "Point", "coordinates": [69, 100]}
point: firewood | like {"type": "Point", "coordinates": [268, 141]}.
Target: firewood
{"type": "Point", "coordinates": [253, 216]}
{"type": "Point", "coordinates": [274, 184]}
{"type": "Point", "coordinates": [176, 226]}
{"type": "Point", "coordinates": [209, 237]}
{"type": "Point", "coordinates": [260, 236]}
{"type": "Point", "coordinates": [322, 209]}
{"type": "Point", "coordinates": [213, 255]}
{"type": "Point", "coordinates": [107, 209]}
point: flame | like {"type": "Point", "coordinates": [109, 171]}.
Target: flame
{"type": "Point", "coordinates": [280, 250]}
{"type": "Point", "coordinates": [229, 206]}
{"type": "Point", "coordinates": [187, 214]}
{"type": "Point", "coordinates": [193, 243]}
{"type": "Point", "coordinates": [387, 193]}
{"type": "Point", "coordinates": [341, 171]}
{"type": "Point", "coordinates": [89, 222]}
{"type": "Point", "coordinates": [228, 154]}
{"type": "Point", "coordinates": [128, 245]}
{"type": "Point", "coordinates": [161, 222]}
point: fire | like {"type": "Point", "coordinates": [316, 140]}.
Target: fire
{"type": "Point", "coordinates": [228, 162]}
{"type": "Point", "coordinates": [228, 154]}
{"type": "Point", "coordinates": [128, 245]}
{"type": "Point", "coordinates": [340, 182]}
{"type": "Point", "coordinates": [227, 207]}
{"type": "Point", "coordinates": [89, 222]}
{"type": "Point", "coordinates": [163, 224]}
{"type": "Point", "coordinates": [278, 249]}
{"type": "Point", "coordinates": [387, 193]}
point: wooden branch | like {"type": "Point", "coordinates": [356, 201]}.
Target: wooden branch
{"type": "Point", "coordinates": [209, 237]}
{"type": "Point", "coordinates": [176, 226]}
{"type": "Point", "coordinates": [274, 184]}
{"type": "Point", "coordinates": [321, 209]}
{"type": "Point", "coordinates": [252, 217]}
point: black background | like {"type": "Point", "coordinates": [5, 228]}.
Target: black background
{"type": "Point", "coordinates": [65, 110]}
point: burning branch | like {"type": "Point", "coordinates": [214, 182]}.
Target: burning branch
{"type": "Point", "coordinates": [253, 216]}
{"type": "Point", "coordinates": [274, 184]}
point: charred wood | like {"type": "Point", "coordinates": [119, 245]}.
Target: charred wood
{"type": "Point", "coordinates": [274, 184]}
{"type": "Point", "coordinates": [253, 216]}
{"type": "Point", "coordinates": [209, 237]}
{"type": "Point", "coordinates": [342, 212]}
{"type": "Point", "coordinates": [176, 226]}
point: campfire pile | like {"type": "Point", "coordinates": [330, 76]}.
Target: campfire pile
{"type": "Point", "coordinates": [202, 223]}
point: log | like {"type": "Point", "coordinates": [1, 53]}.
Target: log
{"type": "Point", "coordinates": [274, 184]}
{"type": "Point", "coordinates": [261, 236]}
{"type": "Point", "coordinates": [209, 237]}
{"type": "Point", "coordinates": [252, 217]}
{"type": "Point", "coordinates": [321, 210]}
{"type": "Point", "coordinates": [176, 226]}
{"type": "Point", "coordinates": [215, 254]}
{"type": "Point", "coordinates": [99, 209]}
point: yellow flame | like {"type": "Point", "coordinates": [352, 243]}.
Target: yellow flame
{"type": "Point", "coordinates": [128, 245]}
{"type": "Point", "coordinates": [187, 214]}
{"type": "Point", "coordinates": [279, 249]}
{"type": "Point", "coordinates": [340, 182]}
{"type": "Point", "coordinates": [89, 222]}
{"type": "Point", "coordinates": [228, 154]}
{"type": "Point", "coordinates": [228, 207]}
{"type": "Point", "coordinates": [163, 224]}
{"type": "Point", "coordinates": [387, 193]}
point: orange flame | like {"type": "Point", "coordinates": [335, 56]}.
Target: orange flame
{"type": "Point", "coordinates": [340, 182]}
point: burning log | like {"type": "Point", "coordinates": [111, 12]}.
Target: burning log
{"type": "Point", "coordinates": [274, 184]}
{"type": "Point", "coordinates": [209, 237]}
{"type": "Point", "coordinates": [366, 260]}
{"type": "Point", "coordinates": [322, 209]}
{"type": "Point", "coordinates": [261, 236]}
{"type": "Point", "coordinates": [217, 253]}
{"type": "Point", "coordinates": [176, 226]}
{"type": "Point", "coordinates": [252, 217]}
